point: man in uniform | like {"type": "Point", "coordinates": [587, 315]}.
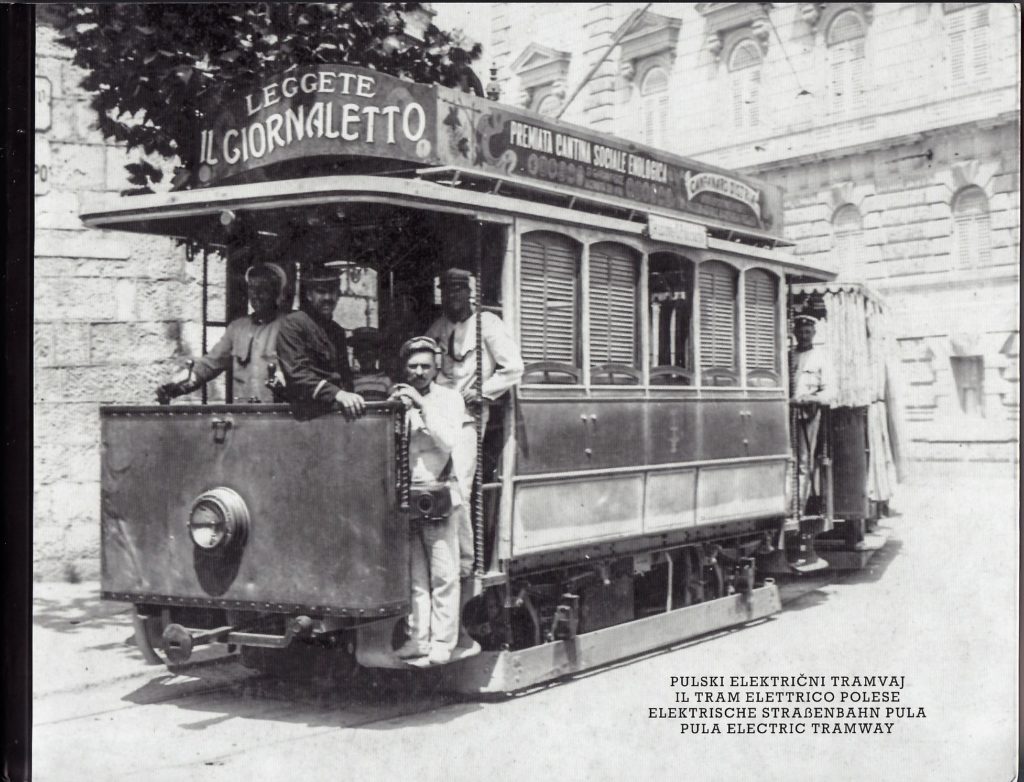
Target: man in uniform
{"type": "Point", "coordinates": [812, 388]}
{"type": "Point", "coordinates": [455, 333]}
{"type": "Point", "coordinates": [435, 418]}
{"type": "Point", "coordinates": [313, 350]}
{"type": "Point", "coordinates": [248, 343]}
{"type": "Point", "coordinates": [370, 383]}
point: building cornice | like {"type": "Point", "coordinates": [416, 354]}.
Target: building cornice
{"type": "Point", "coordinates": [907, 139]}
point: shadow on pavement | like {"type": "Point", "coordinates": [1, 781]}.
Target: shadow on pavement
{"type": "Point", "coordinates": [800, 594]}
{"type": "Point", "coordinates": [363, 698]}
{"type": "Point", "coordinates": [74, 614]}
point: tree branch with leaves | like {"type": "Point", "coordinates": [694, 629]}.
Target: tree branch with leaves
{"type": "Point", "coordinates": [153, 67]}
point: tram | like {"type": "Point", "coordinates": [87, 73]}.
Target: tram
{"type": "Point", "coordinates": [636, 489]}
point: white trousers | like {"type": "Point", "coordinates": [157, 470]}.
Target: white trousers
{"type": "Point", "coordinates": [464, 464]}
{"type": "Point", "coordinates": [434, 573]}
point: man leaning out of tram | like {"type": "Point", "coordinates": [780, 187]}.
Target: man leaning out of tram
{"type": "Point", "coordinates": [249, 342]}
{"type": "Point", "coordinates": [502, 368]}
{"type": "Point", "coordinates": [313, 349]}
{"type": "Point", "coordinates": [435, 415]}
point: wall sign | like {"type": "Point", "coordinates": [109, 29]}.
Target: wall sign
{"type": "Point", "coordinates": [665, 229]}
{"type": "Point", "coordinates": [43, 103]}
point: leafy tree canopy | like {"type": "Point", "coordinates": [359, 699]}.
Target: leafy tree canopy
{"type": "Point", "coordinates": [152, 67]}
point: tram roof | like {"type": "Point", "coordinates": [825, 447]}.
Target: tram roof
{"type": "Point", "coordinates": [196, 214]}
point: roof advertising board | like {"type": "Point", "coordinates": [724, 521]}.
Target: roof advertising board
{"type": "Point", "coordinates": [335, 111]}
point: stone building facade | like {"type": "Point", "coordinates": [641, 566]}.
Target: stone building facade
{"type": "Point", "coordinates": [115, 314]}
{"type": "Point", "coordinates": [893, 129]}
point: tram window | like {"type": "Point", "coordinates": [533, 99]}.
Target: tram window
{"type": "Point", "coordinates": [760, 316]}
{"type": "Point", "coordinates": [718, 351]}
{"type": "Point", "coordinates": [550, 302]}
{"type": "Point", "coordinates": [671, 303]}
{"type": "Point", "coordinates": [612, 289]}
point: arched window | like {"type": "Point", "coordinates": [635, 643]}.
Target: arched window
{"type": "Point", "coordinates": [718, 354]}
{"type": "Point", "coordinates": [549, 105]}
{"type": "Point", "coordinates": [654, 107]}
{"type": "Point", "coordinates": [972, 243]}
{"type": "Point", "coordinates": [745, 77]}
{"type": "Point", "coordinates": [969, 50]}
{"type": "Point", "coordinates": [848, 241]}
{"type": "Point", "coordinates": [845, 39]}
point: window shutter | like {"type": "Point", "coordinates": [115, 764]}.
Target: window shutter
{"type": "Point", "coordinates": [972, 229]}
{"type": "Point", "coordinates": [979, 42]}
{"type": "Point", "coordinates": [761, 320]}
{"type": "Point", "coordinates": [717, 316]}
{"type": "Point", "coordinates": [753, 97]}
{"type": "Point", "coordinates": [613, 312]}
{"type": "Point", "coordinates": [549, 288]}
{"type": "Point", "coordinates": [737, 100]}
{"type": "Point", "coordinates": [838, 68]}
{"type": "Point", "coordinates": [856, 85]}
{"type": "Point", "coordinates": [957, 47]}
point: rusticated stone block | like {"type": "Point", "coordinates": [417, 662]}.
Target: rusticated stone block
{"type": "Point", "coordinates": [122, 384]}
{"type": "Point", "coordinates": [81, 244]}
{"type": "Point", "coordinates": [66, 423]}
{"type": "Point", "coordinates": [74, 299]}
{"type": "Point", "coordinates": [129, 343]}
{"type": "Point", "coordinates": [159, 300]}
{"type": "Point", "coordinates": [65, 502]}
{"type": "Point", "coordinates": [47, 384]}
{"type": "Point", "coordinates": [71, 344]}
{"type": "Point", "coordinates": [57, 209]}
{"type": "Point", "coordinates": [42, 344]}
{"type": "Point", "coordinates": [77, 167]}
{"type": "Point", "coordinates": [74, 463]}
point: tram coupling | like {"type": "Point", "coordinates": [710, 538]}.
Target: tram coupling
{"type": "Point", "coordinates": [179, 641]}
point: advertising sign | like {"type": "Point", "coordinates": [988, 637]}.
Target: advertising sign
{"type": "Point", "coordinates": [320, 111]}
{"type": "Point", "coordinates": [336, 111]}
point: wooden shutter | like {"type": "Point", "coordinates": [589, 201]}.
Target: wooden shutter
{"type": "Point", "coordinates": [549, 298]}
{"type": "Point", "coordinates": [979, 36]}
{"type": "Point", "coordinates": [846, 62]}
{"type": "Point", "coordinates": [613, 311]}
{"type": "Point", "coordinates": [957, 30]}
{"type": "Point", "coordinates": [972, 229]}
{"type": "Point", "coordinates": [760, 315]}
{"type": "Point", "coordinates": [717, 316]}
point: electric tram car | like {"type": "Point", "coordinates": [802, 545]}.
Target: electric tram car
{"type": "Point", "coordinates": [636, 488]}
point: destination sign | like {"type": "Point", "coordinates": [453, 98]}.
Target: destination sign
{"type": "Point", "coordinates": [337, 111]}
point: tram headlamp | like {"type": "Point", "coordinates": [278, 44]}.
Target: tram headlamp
{"type": "Point", "coordinates": [219, 520]}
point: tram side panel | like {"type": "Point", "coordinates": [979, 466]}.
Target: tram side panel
{"type": "Point", "coordinates": [591, 471]}
{"type": "Point", "coordinates": [323, 529]}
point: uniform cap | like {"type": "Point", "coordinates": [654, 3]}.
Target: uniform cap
{"type": "Point", "coordinates": [418, 343]}
{"type": "Point", "coordinates": [803, 318]}
{"type": "Point", "coordinates": [321, 272]}
{"type": "Point", "coordinates": [455, 277]}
